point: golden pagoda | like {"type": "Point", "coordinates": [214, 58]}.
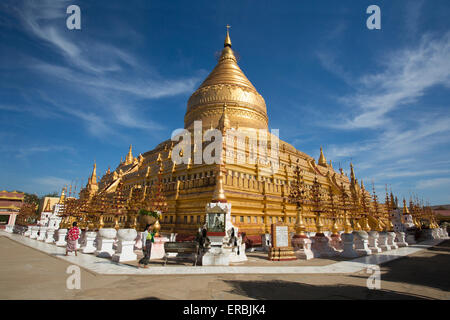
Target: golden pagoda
{"type": "Point", "coordinates": [258, 192]}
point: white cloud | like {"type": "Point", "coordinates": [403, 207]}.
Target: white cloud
{"type": "Point", "coordinates": [23, 152]}
{"type": "Point", "coordinates": [394, 141]}
{"type": "Point", "coordinates": [328, 61]}
{"type": "Point", "coordinates": [433, 183]}
{"type": "Point", "coordinates": [108, 79]}
{"type": "Point", "coordinates": [407, 75]}
{"type": "Point", "coordinates": [410, 173]}
{"type": "Point", "coordinates": [51, 183]}
{"type": "Point", "coordinates": [141, 87]}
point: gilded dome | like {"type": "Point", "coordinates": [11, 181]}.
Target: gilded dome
{"type": "Point", "coordinates": [227, 84]}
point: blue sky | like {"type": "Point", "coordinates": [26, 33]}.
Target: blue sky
{"type": "Point", "coordinates": [379, 98]}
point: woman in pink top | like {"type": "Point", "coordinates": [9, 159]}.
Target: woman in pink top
{"type": "Point", "coordinates": [72, 238]}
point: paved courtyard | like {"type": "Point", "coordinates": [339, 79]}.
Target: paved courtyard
{"type": "Point", "coordinates": [26, 273]}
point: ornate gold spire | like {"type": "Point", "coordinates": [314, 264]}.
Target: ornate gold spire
{"type": "Point", "coordinates": [322, 161]}
{"type": "Point", "coordinates": [227, 42]}
{"type": "Point", "coordinates": [94, 174]}
{"type": "Point", "coordinates": [129, 158]}
{"type": "Point", "coordinates": [62, 197]}
{"type": "Point", "coordinates": [92, 186]}
{"type": "Point", "coordinates": [352, 173]}
{"type": "Point", "coordinates": [405, 207]}
{"type": "Point", "coordinates": [227, 84]}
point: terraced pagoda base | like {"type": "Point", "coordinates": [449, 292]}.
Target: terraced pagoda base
{"type": "Point", "coordinates": [282, 254]}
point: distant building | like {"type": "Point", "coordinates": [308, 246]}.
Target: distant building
{"type": "Point", "coordinates": [10, 204]}
{"type": "Point", "coordinates": [47, 203]}
{"type": "Point", "coordinates": [49, 210]}
{"type": "Point", "coordinates": [442, 213]}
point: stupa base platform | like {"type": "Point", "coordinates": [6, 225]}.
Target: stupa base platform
{"type": "Point", "coordinates": [321, 246]}
{"type": "Point", "coordinates": [216, 256]}
{"type": "Point", "coordinates": [302, 247]}
{"type": "Point", "coordinates": [282, 254]}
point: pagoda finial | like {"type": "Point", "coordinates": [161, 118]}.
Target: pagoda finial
{"type": "Point", "coordinates": [405, 207]}
{"type": "Point", "coordinates": [322, 161]}
{"type": "Point", "coordinates": [62, 197]}
{"type": "Point", "coordinates": [352, 173]}
{"type": "Point", "coordinates": [129, 158]}
{"type": "Point", "coordinates": [227, 42]}
{"type": "Point", "coordinates": [94, 174]}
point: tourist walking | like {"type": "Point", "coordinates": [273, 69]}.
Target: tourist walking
{"type": "Point", "coordinates": [72, 239]}
{"type": "Point", "coordinates": [148, 237]}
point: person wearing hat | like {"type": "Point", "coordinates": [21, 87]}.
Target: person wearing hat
{"type": "Point", "coordinates": [148, 237]}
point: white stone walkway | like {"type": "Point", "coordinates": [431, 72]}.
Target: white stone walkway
{"type": "Point", "coordinates": [107, 267]}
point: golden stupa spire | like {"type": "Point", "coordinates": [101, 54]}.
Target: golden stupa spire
{"type": "Point", "coordinates": [405, 207]}
{"type": "Point", "coordinates": [352, 173]}
{"type": "Point", "coordinates": [62, 197]}
{"type": "Point", "coordinates": [129, 158]}
{"type": "Point", "coordinates": [227, 42]}
{"type": "Point", "coordinates": [392, 201]}
{"type": "Point", "coordinates": [227, 83]}
{"type": "Point", "coordinates": [94, 174]}
{"type": "Point", "coordinates": [322, 161]}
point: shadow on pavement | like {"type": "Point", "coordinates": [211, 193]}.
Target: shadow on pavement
{"type": "Point", "coordinates": [285, 290]}
{"type": "Point", "coordinates": [428, 268]}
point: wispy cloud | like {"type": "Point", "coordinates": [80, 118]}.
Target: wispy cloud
{"type": "Point", "coordinates": [43, 19]}
{"type": "Point", "coordinates": [109, 81]}
{"type": "Point", "coordinates": [399, 133]}
{"type": "Point", "coordinates": [51, 183]}
{"type": "Point", "coordinates": [433, 183]}
{"type": "Point", "coordinates": [328, 60]}
{"type": "Point", "coordinates": [23, 152]}
{"type": "Point", "coordinates": [407, 75]}
{"type": "Point", "coordinates": [408, 173]}
{"type": "Point", "coordinates": [130, 83]}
